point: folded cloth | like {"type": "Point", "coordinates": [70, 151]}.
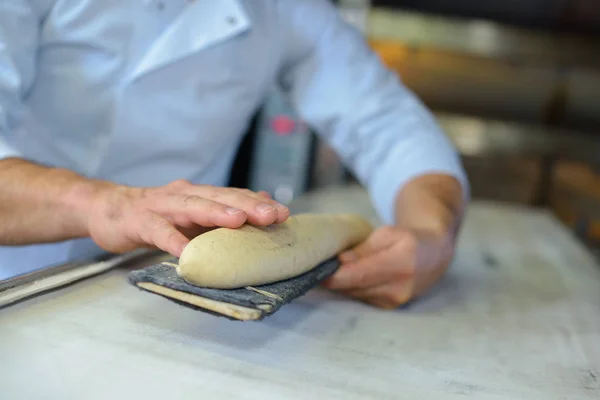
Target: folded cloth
{"type": "Point", "coordinates": [249, 303]}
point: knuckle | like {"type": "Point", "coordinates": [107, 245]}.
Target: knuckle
{"type": "Point", "coordinates": [148, 195]}
{"type": "Point", "coordinates": [211, 193]}
{"type": "Point", "coordinates": [399, 274]}
{"type": "Point", "coordinates": [148, 228]}
{"type": "Point", "coordinates": [215, 192]}
{"type": "Point", "coordinates": [405, 271]}
{"type": "Point", "coordinates": [360, 277]}
{"type": "Point", "coordinates": [189, 200]}
{"type": "Point", "coordinates": [258, 196]}
{"type": "Point", "coordinates": [404, 265]}
{"type": "Point", "coordinates": [144, 193]}
{"type": "Point", "coordinates": [180, 184]}
{"type": "Point", "coordinates": [216, 208]}
{"type": "Point", "coordinates": [248, 201]}
{"type": "Point", "coordinates": [406, 244]}
{"type": "Point", "coordinates": [172, 237]}
{"type": "Point", "coordinates": [387, 230]}
{"type": "Point", "coordinates": [384, 233]}
{"type": "Point", "coordinates": [155, 222]}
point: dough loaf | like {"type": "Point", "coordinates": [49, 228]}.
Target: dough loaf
{"type": "Point", "coordinates": [232, 258]}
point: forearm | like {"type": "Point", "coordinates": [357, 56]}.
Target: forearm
{"type": "Point", "coordinates": [40, 204]}
{"type": "Point", "coordinates": [432, 206]}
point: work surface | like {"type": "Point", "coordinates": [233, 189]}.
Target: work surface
{"type": "Point", "coordinates": [517, 317]}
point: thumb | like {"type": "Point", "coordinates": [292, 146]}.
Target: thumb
{"type": "Point", "coordinates": [381, 239]}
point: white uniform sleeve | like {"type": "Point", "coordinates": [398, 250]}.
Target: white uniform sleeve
{"type": "Point", "coordinates": [376, 125]}
{"type": "Point", "coordinates": [19, 30]}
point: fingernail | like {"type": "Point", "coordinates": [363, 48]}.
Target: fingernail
{"type": "Point", "coordinates": [233, 211]}
{"type": "Point", "coordinates": [348, 256]}
{"type": "Point", "coordinates": [265, 208]}
{"type": "Point", "coordinates": [282, 208]}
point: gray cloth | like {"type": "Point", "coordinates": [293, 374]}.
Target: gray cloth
{"type": "Point", "coordinates": [273, 295]}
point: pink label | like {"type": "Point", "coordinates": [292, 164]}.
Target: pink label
{"type": "Point", "coordinates": [283, 125]}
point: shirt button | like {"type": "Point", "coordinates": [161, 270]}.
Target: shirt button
{"type": "Point", "coordinates": [231, 20]}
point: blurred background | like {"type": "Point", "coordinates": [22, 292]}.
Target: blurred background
{"type": "Point", "coordinates": [514, 83]}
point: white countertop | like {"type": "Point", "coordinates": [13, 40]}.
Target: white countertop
{"type": "Point", "coordinates": [518, 317]}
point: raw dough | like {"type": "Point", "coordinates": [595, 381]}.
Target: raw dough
{"type": "Point", "coordinates": [232, 258]}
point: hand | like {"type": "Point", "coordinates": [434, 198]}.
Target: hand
{"type": "Point", "coordinates": [124, 218]}
{"type": "Point", "coordinates": [392, 266]}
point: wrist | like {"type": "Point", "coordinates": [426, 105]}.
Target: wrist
{"type": "Point", "coordinates": [81, 198]}
{"type": "Point", "coordinates": [436, 222]}
{"type": "Point", "coordinates": [431, 205]}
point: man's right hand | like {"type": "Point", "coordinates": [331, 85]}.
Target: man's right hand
{"type": "Point", "coordinates": [124, 218]}
{"type": "Point", "coordinates": [39, 204]}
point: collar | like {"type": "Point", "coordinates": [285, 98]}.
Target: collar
{"type": "Point", "coordinates": [201, 24]}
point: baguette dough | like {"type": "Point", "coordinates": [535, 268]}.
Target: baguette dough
{"type": "Point", "coordinates": [232, 258]}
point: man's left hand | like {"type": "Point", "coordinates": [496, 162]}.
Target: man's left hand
{"type": "Point", "coordinates": [393, 266]}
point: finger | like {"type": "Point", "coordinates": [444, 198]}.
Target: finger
{"type": "Point", "coordinates": [372, 270]}
{"type": "Point", "coordinates": [159, 232]}
{"type": "Point", "coordinates": [388, 296]}
{"type": "Point", "coordinates": [380, 240]}
{"type": "Point", "coordinates": [283, 212]}
{"type": "Point", "coordinates": [267, 195]}
{"type": "Point", "coordinates": [185, 210]}
{"type": "Point", "coordinates": [263, 197]}
{"type": "Point", "coordinates": [193, 232]}
{"type": "Point", "coordinates": [260, 210]}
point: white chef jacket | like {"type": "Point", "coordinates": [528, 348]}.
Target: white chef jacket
{"type": "Point", "coordinates": [144, 92]}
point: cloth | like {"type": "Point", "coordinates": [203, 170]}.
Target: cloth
{"type": "Point", "coordinates": [245, 304]}
{"type": "Point", "coordinates": [144, 92]}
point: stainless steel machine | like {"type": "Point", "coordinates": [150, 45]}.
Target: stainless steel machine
{"type": "Point", "coordinates": [289, 158]}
